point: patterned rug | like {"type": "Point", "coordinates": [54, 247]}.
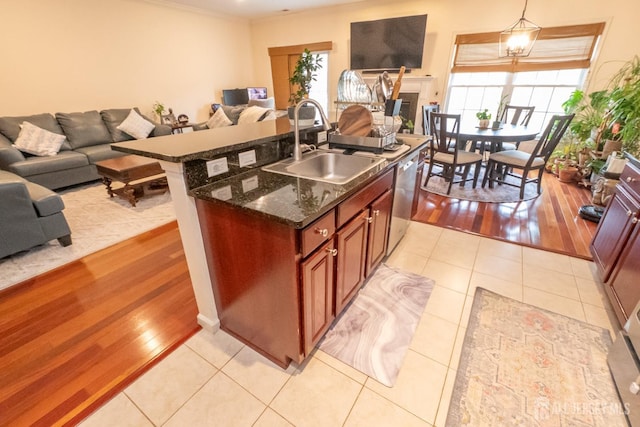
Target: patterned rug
{"type": "Point", "coordinates": [497, 194]}
{"type": "Point", "coordinates": [375, 330]}
{"type": "Point", "coordinates": [96, 221]}
{"type": "Point", "coordinates": [525, 366]}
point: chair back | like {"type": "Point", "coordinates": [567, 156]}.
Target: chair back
{"type": "Point", "coordinates": [426, 120]}
{"type": "Point", "coordinates": [445, 129]}
{"type": "Point", "coordinates": [519, 115]}
{"type": "Point", "coordinates": [551, 136]}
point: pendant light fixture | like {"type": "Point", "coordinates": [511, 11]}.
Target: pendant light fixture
{"type": "Point", "coordinates": [518, 39]}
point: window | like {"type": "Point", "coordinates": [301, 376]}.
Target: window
{"type": "Point", "coordinates": [558, 65]}
{"type": "Point", "coordinates": [547, 90]}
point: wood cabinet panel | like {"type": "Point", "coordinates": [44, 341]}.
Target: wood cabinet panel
{"type": "Point", "coordinates": [317, 233]}
{"type": "Point", "coordinates": [317, 294]}
{"type": "Point", "coordinates": [352, 251]}
{"type": "Point", "coordinates": [359, 201]}
{"type": "Point", "coordinates": [612, 232]}
{"type": "Point", "coordinates": [380, 214]}
{"type": "Point", "coordinates": [616, 245]}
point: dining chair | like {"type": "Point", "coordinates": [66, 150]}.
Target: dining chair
{"type": "Point", "coordinates": [444, 151]}
{"type": "Point", "coordinates": [502, 164]}
{"type": "Point", "coordinates": [426, 109]}
{"type": "Point", "coordinates": [520, 116]}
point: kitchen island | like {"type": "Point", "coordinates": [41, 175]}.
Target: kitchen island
{"type": "Point", "coordinates": [262, 247]}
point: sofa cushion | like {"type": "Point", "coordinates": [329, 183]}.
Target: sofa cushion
{"type": "Point", "coordinates": [84, 129]}
{"type": "Point", "coordinates": [112, 119]}
{"type": "Point", "coordinates": [269, 103]}
{"type": "Point", "coordinates": [97, 153]}
{"type": "Point", "coordinates": [38, 141]}
{"type": "Point", "coordinates": [233, 112]}
{"type": "Point", "coordinates": [41, 165]}
{"type": "Point", "coordinates": [10, 126]}
{"type": "Point", "coordinates": [45, 201]}
{"type": "Point", "coordinates": [253, 114]}
{"type": "Point", "coordinates": [136, 126]}
{"type": "Point", "coordinates": [218, 120]}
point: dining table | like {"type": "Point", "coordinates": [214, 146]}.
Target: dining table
{"type": "Point", "coordinates": [478, 137]}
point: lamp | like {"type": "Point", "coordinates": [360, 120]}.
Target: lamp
{"type": "Point", "coordinates": [518, 39]}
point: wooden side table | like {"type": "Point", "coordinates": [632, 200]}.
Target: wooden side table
{"type": "Point", "coordinates": [177, 127]}
{"type": "Point", "coordinates": [141, 176]}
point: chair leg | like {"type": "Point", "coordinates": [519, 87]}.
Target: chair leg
{"type": "Point", "coordinates": [426, 180]}
{"type": "Point", "coordinates": [465, 174]}
{"type": "Point", "coordinates": [540, 180]}
{"type": "Point", "coordinates": [476, 173]}
{"type": "Point", "coordinates": [487, 173]}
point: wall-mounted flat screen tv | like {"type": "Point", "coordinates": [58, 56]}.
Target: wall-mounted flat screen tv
{"type": "Point", "coordinates": [388, 44]}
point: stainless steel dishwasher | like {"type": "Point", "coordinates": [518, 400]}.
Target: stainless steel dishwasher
{"type": "Point", "coordinates": [402, 199]}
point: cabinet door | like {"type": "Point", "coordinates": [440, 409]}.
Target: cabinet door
{"type": "Point", "coordinates": [624, 278]}
{"type": "Point", "coordinates": [352, 253]}
{"type": "Point", "coordinates": [380, 214]}
{"type": "Point", "coordinates": [317, 294]}
{"type": "Point", "coordinates": [612, 232]}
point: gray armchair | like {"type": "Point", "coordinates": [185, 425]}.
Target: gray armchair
{"type": "Point", "coordinates": [30, 215]}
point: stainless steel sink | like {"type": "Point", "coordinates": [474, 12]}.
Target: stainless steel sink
{"type": "Point", "coordinates": [336, 168]}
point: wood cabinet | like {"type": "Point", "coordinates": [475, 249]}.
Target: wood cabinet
{"type": "Point", "coordinates": [278, 288]}
{"type": "Point", "coordinates": [615, 246]}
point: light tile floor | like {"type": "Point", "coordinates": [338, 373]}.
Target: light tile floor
{"type": "Point", "coordinates": [216, 380]}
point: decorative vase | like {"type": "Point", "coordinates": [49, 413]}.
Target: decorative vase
{"type": "Point", "coordinates": [483, 124]}
{"type": "Point", "coordinates": [568, 174]}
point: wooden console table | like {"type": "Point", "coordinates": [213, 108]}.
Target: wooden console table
{"type": "Point", "coordinates": [140, 175]}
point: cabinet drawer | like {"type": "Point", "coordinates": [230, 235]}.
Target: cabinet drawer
{"type": "Point", "coordinates": [317, 233]}
{"type": "Point", "coordinates": [350, 207]}
{"type": "Point", "coordinates": [631, 178]}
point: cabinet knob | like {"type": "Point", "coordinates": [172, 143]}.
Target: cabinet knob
{"type": "Point", "coordinates": [332, 251]}
{"type": "Point", "coordinates": [629, 179]}
{"type": "Point", "coordinates": [634, 220]}
{"type": "Point", "coordinates": [376, 212]}
{"type": "Point", "coordinates": [322, 231]}
{"type": "Point", "coordinates": [629, 213]}
{"type": "Point", "coordinates": [370, 219]}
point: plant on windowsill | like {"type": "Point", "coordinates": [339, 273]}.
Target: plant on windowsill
{"type": "Point", "coordinates": [483, 118]}
{"type": "Point", "coordinates": [303, 75]}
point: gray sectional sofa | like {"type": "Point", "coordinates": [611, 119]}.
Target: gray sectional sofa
{"type": "Point", "coordinates": [30, 215]}
{"type": "Point", "coordinates": [89, 136]}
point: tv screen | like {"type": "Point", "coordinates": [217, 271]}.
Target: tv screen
{"type": "Point", "coordinates": [388, 44]}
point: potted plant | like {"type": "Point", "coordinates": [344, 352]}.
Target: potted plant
{"type": "Point", "coordinates": [303, 75]}
{"type": "Point", "coordinates": [483, 118]}
{"type": "Point", "coordinates": [159, 109]}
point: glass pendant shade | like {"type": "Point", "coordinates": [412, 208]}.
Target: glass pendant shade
{"type": "Point", "coordinates": [518, 39]}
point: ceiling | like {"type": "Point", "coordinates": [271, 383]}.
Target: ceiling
{"type": "Point", "coordinates": [251, 9]}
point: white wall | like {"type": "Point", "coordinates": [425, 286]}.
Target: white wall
{"type": "Point", "coordinates": [78, 55]}
{"type": "Point", "coordinates": [446, 18]}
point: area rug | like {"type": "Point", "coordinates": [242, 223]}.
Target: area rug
{"type": "Point", "coordinates": [375, 330]}
{"type": "Point", "coordinates": [497, 194]}
{"type": "Point", "coordinates": [523, 365]}
{"type": "Point", "coordinates": [96, 221]}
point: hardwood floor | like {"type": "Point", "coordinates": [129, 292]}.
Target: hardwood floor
{"type": "Point", "coordinates": [550, 221]}
{"type": "Point", "coordinates": [74, 337]}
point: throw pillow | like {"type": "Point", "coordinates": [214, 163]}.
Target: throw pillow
{"type": "Point", "coordinates": [253, 114]}
{"type": "Point", "coordinates": [38, 141]}
{"type": "Point", "coordinates": [84, 129]}
{"type": "Point", "coordinates": [266, 103]}
{"type": "Point", "coordinates": [218, 120]}
{"type": "Point", "coordinates": [136, 126]}
{"type": "Point", "coordinates": [233, 112]}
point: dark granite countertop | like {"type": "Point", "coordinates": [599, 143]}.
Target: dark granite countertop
{"type": "Point", "coordinates": [290, 200]}
{"type": "Point", "coordinates": [208, 143]}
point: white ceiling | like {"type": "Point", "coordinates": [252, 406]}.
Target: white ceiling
{"type": "Point", "coordinates": [257, 8]}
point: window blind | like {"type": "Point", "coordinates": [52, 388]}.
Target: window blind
{"type": "Point", "coordinates": [556, 48]}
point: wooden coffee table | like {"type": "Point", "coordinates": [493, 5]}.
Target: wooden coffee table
{"type": "Point", "coordinates": [141, 176]}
